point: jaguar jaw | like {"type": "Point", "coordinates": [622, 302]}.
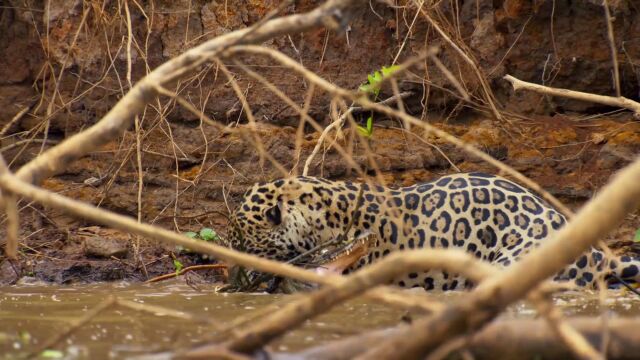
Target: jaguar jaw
{"type": "Point", "coordinates": [343, 257]}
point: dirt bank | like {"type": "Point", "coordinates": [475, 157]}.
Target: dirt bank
{"type": "Point", "coordinates": [69, 79]}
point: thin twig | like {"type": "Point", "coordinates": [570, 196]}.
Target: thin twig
{"type": "Point", "coordinates": [489, 98]}
{"type": "Point", "coordinates": [612, 45]}
{"type": "Point", "coordinates": [621, 101]}
{"type": "Point", "coordinates": [185, 270]}
{"type": "Point", "coordinates": [452, 79]}
{"type": "Point", "coordinates": [138, 130]}
{"type": "Point", "coordinates": [13, 218]}
{"type": "Point", "coordinates": [26, 141]}
{"type": "Point", "coordinates": [14, 120]}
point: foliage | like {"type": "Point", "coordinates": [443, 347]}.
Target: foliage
{"type": "Point", "coordinates": [375, 80]}
{"type": "Point", "coordinates": [209, 235]}
{"type": "Point", "coordinates": [367, 131]}
{"type": "Point", "coordinates": [178, 265]}
{"type": "Point", "coordinates": [205, 234]}
{"type": "Point", "coordinates": [372, 86]}
{"type": "Point", "coordinates": [637, 237]}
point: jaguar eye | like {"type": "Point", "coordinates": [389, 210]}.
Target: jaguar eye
{"type": "Point", "coordinates": [274, 215]}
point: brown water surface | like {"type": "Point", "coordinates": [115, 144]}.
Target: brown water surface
{"type": "Point", "coordinates": [29, 315]}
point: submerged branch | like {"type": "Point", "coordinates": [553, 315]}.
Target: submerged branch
{"type": "Point", "coordinates": [505, 339]}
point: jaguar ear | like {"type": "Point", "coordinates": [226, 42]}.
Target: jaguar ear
{"type": "Point", "coordinates": [274, 214]}
{"type": "Point", "coordinates": [292, 189]}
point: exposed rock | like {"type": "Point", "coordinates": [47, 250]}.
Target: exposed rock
{"type": "Point", "coordinates": [30, 281]}
{"type": "Point", "coordinates": [486, 40]}
{"type": "Point", "coordinates": [619, 150]}
{"type": "Point", "coordinates": [97, 246]}
{"type": "Point", "coordinates": [8, 272]}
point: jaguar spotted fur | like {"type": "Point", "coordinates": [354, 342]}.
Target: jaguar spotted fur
{"type": "Point", "coordinates": [489, 216]}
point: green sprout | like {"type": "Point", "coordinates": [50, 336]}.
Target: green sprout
{"type": "Point", "coordinates": [637, 237]}
{"type": "Point", "coordinates": [372, 86]}
{"type": "Point", "coordinates": [375, 80]}
{"type": "Point", "coordinates": [367, 131]}
{"type": "Point", "coordinates": [178, 265]}
{"type": "Point", "coordinates": [209, 235]}
{"type": "Point", "coordinates": [205, 234]}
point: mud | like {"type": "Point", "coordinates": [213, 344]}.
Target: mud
{"type": "Point", "coordinates": [192, 173]}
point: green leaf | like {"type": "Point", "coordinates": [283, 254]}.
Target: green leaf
{"type": "Point", "coordinates": [191, 234]}
{"type": "Point", "coordinates": [370, 124]}
{"type": "Point", "coordinates": [377, 76]}
{"type": "Point", "coordinates": [371, 79]}
{"type": "Point", "coordinates": [364, 132]}
{"type": "Point", "coordinates": [52, 354]}
{"type": "Point", "coordinates": [388, 70]}
{"type": "Point", "coordinates": [178, 265]}
{"type": "Point", "coordinates": [365, 88]}
{"type": "Point", "coordinates": [637, 238]}
{"type": "Point", "coordinates": [208, 234]}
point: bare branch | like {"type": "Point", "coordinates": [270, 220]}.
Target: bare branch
{"type": "Point", "coordinates": [621, 101]}
{"type": "Point", "coordinates": [504, 339]}
{"type": "Point", "coordinates": [489, 98]}
{"type": "Point", "coordinates": [13, 219]}
{"type": "Point", "coordinates": [612, 45]}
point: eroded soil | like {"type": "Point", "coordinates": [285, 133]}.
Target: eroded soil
{"type": "Point", "coordinates": [568, 157]}
{"type": "Point", "coordinates": [193, 174]}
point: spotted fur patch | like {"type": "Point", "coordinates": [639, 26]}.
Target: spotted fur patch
{"type": "Point", "coordinates": [459, 201]}
{"type": "Point", "coordinates": [433, 201]}
{"type": "Point", "coordinates": [487, 216]}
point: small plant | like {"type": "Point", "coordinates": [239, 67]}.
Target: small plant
{"type": "Point", "coordinates": [374, 80]}
{"type": "Point", "coordinates": [372, 86]}
{"type": "Point", "coordinates": [205, 234]}
{"type": "Point", "coordinates": [367, 131]}
{"type": "Point", "coordinates": [177, 265]}
{"type": "Point", "coordinates": [209, 235]}
{"type": "Point", "coordinates": [637, 237]}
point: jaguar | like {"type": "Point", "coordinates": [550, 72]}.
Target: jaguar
{"type": "Point", "coordinates": [486, 215]}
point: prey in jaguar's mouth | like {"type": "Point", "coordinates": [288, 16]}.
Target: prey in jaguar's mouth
{"type": "Point", "coordinates": [339, 258]}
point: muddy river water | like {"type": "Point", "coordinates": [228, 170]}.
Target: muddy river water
{"type": "Point", "coordinates": [29, 315]}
